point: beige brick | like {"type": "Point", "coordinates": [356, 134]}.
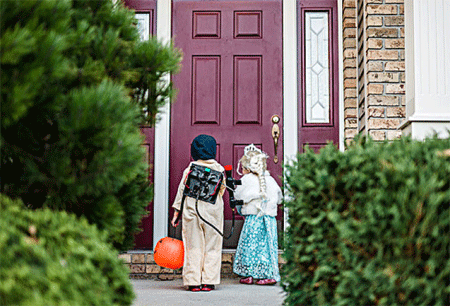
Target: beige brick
{"type": "Point", "coordinates": [350, 113]}
{"type": "Point", "coordinates": [349, 3]}
{"type": "Point", "coordinates": [382, 55]}
{"type": "Point", "coordinates": [349, 102]}
{"type": "Point", "coordinates": [394, 21]}
{"type": "Point", "coordinates": [350, 133]}
{"type": "Point", "coordinates": [350, 53]}
{"type": "Point", "coordinates": [350, 32]}
{"type": "Point", "coordinates": [349, 141]}
{"type": "Point", "coordinates": [382, 123]}
{"type": "Point", "coordinates": [397, 43]}
{"type": "Point", "coordinates": [402, 77]}
{"type": "Point", "coordinates": [138, 258]}
{"type": "Point", "coordinates": [373, 43]}
{"type": "Point", "coordinates": [383, 32]}
{"type": "Point", "coordinates": [150, 258]}
{"type": "Point", "coordinates": [153, 269]}
{"type": "Point", "coordinates": [395, 112]}
{"type": "Point", "coordinates": [374, 1]}
{"type": "Point", "coordinates": [227, 258]}
{"type": "Point", "coordinates": [394, 1]}
{"type": "Point", "coordinates": [349, 23]}
{"type": "Point", "coordinates": [349, 43]}
{"type": "Point", "coordinates": [350, 73]}
{"type": "Point", "coordinates": [395, 134]}
{"type": "Point", "coordinates": [374, 66]}
{"type": "Point", "coordinates": [402, 32]}
{"type": "Point", "coordinates": [395, 88]}
{"type": "Point", "coordinates": [401, 55]}
{"type": "Point", "coordinates": [379, 77]}
{"type": "Point", "coordinates": [349, 93]}
{"type": "Point", "coordinates": [227, 269]}
{"type": "Point", "coordinates": [401, 9]}
{"type": "Point", "coordinates": [377, 135]}
{"type": "Point", "coordinates": [374, 21]}
{"type": "Point", "coordinates": [348, 83]}
{"type": "Point", "coordinates": [137, 269]}
{"type": "Point", "coordinates": [378, 112]}
{"type": "Point", "coordinates": [169, 277]}
{"type": "Point", "coordinates": [375, 89]}
{"type": "Point", "coordinates": [382, 9]}
{"type": "Point", "coordinates": [350, 123]}
{"type": "Point", "coordinates": [350, 63]}
{"type": "Point", "coordinates": [383, 100]}
{"type": "Point", "coordinates": [125, 257]}
{"type": "Point", "coordinates": [349, 13]}
{"type": "Point", "coordinates": [395, 66]}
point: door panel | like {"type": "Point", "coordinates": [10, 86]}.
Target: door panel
{"type": "Point", "coordinates": [318, 99]}
{"type": "Point", "coordinates": [230, 84]}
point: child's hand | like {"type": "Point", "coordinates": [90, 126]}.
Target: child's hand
{"type": "Point", "coordinates": [175, 216]}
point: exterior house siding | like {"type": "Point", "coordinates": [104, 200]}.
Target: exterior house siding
{"type": "Point", "coordinates": [373, 82]}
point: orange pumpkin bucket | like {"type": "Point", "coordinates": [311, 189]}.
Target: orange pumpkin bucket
{"type": "Point", "coordinates": [169, 253]}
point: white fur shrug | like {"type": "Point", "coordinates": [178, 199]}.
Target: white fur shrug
{"type": "Point", "coordinates": [250, 193]}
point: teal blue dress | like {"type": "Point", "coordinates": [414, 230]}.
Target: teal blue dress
{"type": "Point", "coordinates": [257, 251]}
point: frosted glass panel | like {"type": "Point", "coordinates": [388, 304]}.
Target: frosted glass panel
{"type": "Point", "coordinates": [317, 68]}
{"type": "Point", "coordinates": [143, 25]}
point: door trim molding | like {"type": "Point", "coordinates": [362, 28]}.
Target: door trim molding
{"type": "Point", "coordinates": [341, 74]}
{"type": "Point", "coordinates": [162, 137]}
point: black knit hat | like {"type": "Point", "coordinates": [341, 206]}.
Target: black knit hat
{"type": "Point", "coordinates": [203, 147]}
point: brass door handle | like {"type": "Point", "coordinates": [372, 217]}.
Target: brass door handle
{"type": "Point", "coordinates": [275, 136]}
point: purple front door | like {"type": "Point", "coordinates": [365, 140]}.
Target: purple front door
{"type": "Point", "coordinates": [230, 85]}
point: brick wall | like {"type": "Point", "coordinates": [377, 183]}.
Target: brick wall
{"type": "Point", "coordinates": [350, 96]}
{"type": "Point", "coordinates": [378, 68]}
{"type": "Point", "coordinates": [142, 265]}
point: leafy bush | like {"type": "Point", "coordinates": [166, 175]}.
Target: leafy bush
{"type": "Point", "coordinates": [76, 84]}
{"type": "Point", "coordinates": [55, 258]}
{"type": "Point", "coordinates": [370, 226]}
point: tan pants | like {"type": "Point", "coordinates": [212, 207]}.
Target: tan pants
{"type": "Point", "coordinates": [202, 244]}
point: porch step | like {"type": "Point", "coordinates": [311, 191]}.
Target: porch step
{"type": "Point", "coordinates": [142, 265]}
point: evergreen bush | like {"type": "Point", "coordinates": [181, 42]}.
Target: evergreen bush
{"type": "Point", "coordinates": [370, 226]}
{"type": "Point", "coordinates": [54, 258]}
{"type": "Point", "coordinates": [76, 84]}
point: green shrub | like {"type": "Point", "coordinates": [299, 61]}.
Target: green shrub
{"type": "Point", "coordinates": [370, 226]}
{"type": "Point", "coordinates": [76, 84]}
{"type": "Point", "coordinates": [55, 258]}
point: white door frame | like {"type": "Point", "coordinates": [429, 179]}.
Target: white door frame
{"type": "Point", "coordinates": [290, 111]}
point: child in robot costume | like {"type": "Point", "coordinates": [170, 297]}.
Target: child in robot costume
{"type": "Point", "coordinates": [256, 256]}
{"type": "Point", "coordinates": [202, 244]}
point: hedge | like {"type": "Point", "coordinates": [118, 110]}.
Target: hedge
{"type": "Point", "coordinates": [54, 258]}
{"type": "Point", "coordinates": [369, 226]}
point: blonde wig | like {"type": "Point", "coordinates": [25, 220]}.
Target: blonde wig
{"type": "Point", "coordinates": [255, 161]}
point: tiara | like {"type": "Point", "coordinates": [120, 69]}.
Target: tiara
{"type": "Point", "coordinates": [250, 148]}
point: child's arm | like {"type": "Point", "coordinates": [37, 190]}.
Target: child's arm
{"type": "Point", "coordinates": [249, 189]}
{"type": "Point", "coordinates": [175, 216]}
{"type": "Point", "coordinates": [177, 202]}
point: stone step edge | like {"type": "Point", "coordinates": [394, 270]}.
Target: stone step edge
{"type": "Point", "coordinates": [141, 265]}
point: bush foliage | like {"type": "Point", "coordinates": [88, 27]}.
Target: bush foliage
{"type": "Point", "coordinates": [55, 258]}
{"type": "Point", "coordinates": [370, 226]}
{"type": "Point", "coordinates": [76, 84]}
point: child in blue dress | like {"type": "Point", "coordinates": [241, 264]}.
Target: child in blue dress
{"type": "Point", "coordinates": [257, 252]}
